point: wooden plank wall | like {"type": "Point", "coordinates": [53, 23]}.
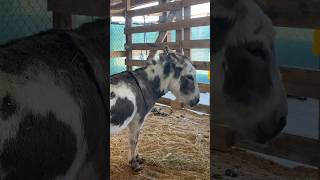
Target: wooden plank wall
{"type": "Point", "coordinates": [297, 82]}
{"type": "Point", "coordinates": [293, 13]}
{"type": "Point", "coordinates": [128, 24]}
{"type": "Point", "coordinates": [181, 25]}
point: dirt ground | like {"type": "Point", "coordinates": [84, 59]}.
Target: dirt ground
{"type": "Point", "coordinates": [250, 167]}
{"type": "Point", "coordinates": [175, 145]}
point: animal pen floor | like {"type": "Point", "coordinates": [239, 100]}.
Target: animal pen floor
{"type": "Point", "coordinates": [175, 145]}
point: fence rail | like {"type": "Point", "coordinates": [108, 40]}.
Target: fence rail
{"type": "Point", "coordinates": [182, 24]}
{"type": "Point", "coordinates": [185, 44]}
{"type": "Point", "coordinates": [195, 22]}
{"type": "Point", "coordinates": [170, 6]}
{"type": "Point", "coordinates": [297, 82]}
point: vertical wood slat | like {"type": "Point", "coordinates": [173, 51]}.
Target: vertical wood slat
{"type": "Point", "coordinates": [186, 31]}
{"type": "Point", "coordinates": [163, 17]}
{"type": "Point", "coordinates": [176, 104]}
{"type": "Point", "coordinates": [179, 31]}
{"type": "Point", "coordinates": [61, 21]}
{"type": "Point", "coordinates": [128, 23]}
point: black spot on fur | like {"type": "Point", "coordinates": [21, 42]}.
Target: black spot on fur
{"type": "Point", "coordinates": [8, 107]}
{"type": "Point", "coordinates": [256, 48]}
{"type": "Point", "coordinates": [154, 62]}
{"type": "Point", "coordinates": [112, 95]}
{"type": "Point", "coordinates": [187, 85]}
{"type": "Point", "coordinates": [121, 111]}
{"type": "Point", "coordinates": [43, 148]}
{"type": "Point", "coordinates": [220, 31]}
{"type": "Point", "coordinates": [177, 72]}
{"type": "Point", "coordinates": [166, 69]}
{"type": "Point", "coordinates": [152, 70]}
{"type": "Point", "coordinates": [156, 84]}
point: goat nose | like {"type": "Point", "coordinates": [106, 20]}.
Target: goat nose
{"type": "Point", "coordinates": [194, 102]}
{"type": "Point", "coordinates": [282, 123]}
{"type": "Point", "coordinates": [264, 135]}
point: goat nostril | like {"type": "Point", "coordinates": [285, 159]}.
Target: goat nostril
{"type": "Point", "coordinates": [283, 122]}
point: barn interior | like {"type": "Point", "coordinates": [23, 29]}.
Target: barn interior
{"type": "Point", "coordinates": [293, 155]}
{"type": "Point", "coordinates": [175, 139]}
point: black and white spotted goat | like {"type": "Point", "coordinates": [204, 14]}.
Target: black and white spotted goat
{"type": "Point", "coordinates": [134, 93]}
{"type": "Point", "coordinates": [53, 112]}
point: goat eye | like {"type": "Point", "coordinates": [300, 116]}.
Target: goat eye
{"type": "Point", "coordinates": [257, 52]}
{"type": "Point", "coordinates": [7, 108]}
{"type": "Point", "coordinates": [190, 77]}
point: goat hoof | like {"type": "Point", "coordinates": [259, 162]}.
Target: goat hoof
{"type": "Point", "coordinates": [139, 159]}
{"type": "Point", "coordinates": [136, 166]}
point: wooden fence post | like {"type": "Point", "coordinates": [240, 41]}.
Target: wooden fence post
{"type": "Point", "coordinates": [128, 24]}
{"type": "Point", "coordinates": [186, 31]}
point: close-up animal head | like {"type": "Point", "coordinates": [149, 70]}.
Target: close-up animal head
{"type": "Point", "coordinates": [247, 80]}
{"type": "Point", "coordinates": [183, 84]}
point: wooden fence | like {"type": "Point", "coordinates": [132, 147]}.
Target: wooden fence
{"type": "Point", "coordinates": [62, 11]}
{"type": "Point", "coordinates": [168, 11]}
{"type": "Point", "coordinates": [297, 81]}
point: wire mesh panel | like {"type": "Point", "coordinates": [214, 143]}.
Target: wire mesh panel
{"type": "Point", "coordinates": [20, 18]}
{"type": "Point", "coordinates": [117, 41]}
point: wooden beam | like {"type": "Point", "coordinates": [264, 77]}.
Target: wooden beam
{"type": "Point", "coordinates": [204, 87]}
{"type": "Point", "coordinates": [151, 46]}
{"type": "Point", "coordinates": [223, 137]}
{"type": "Point", "coordinates": [128, 24]}
{"type": "Point", "coordinates": [301, 82]}
{"type": "Point", "coordinates": [305, 13]}
{"type": "Point", "coordinates": [179, 37]}
{"type": "Point", "coordinates": [199, 65]}
{"type": "Point", "coordinates": [134, 3]}
{"type": "Point", "coordinates": [203, 21]}
{"type": "Point", "coordinates": [172, 45]}
{"type": "Point", "coordinates": [199, 107]}
{"type": "Point", "coordinates": [162, 35]}
{"type": "Point", "coordinates": [117, 12]}
{"type": "Point", "coordinates": [118, 54]}
{"type": "Point", "coordinates": [187, 44]}
{"type": "Point", "coordinates": [287, 146]}
{"type": "Point", "coordinates": [186, 31]}
{"type": "Point", "coordinates": [61, 21]}
{"type": "Point", "coordinates": [170, 6]}
{"type": "Point", "coordinates": [80, 7]}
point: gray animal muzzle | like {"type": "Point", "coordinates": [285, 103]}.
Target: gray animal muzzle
{"type": "Point", "coordinates": [194, 102]}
